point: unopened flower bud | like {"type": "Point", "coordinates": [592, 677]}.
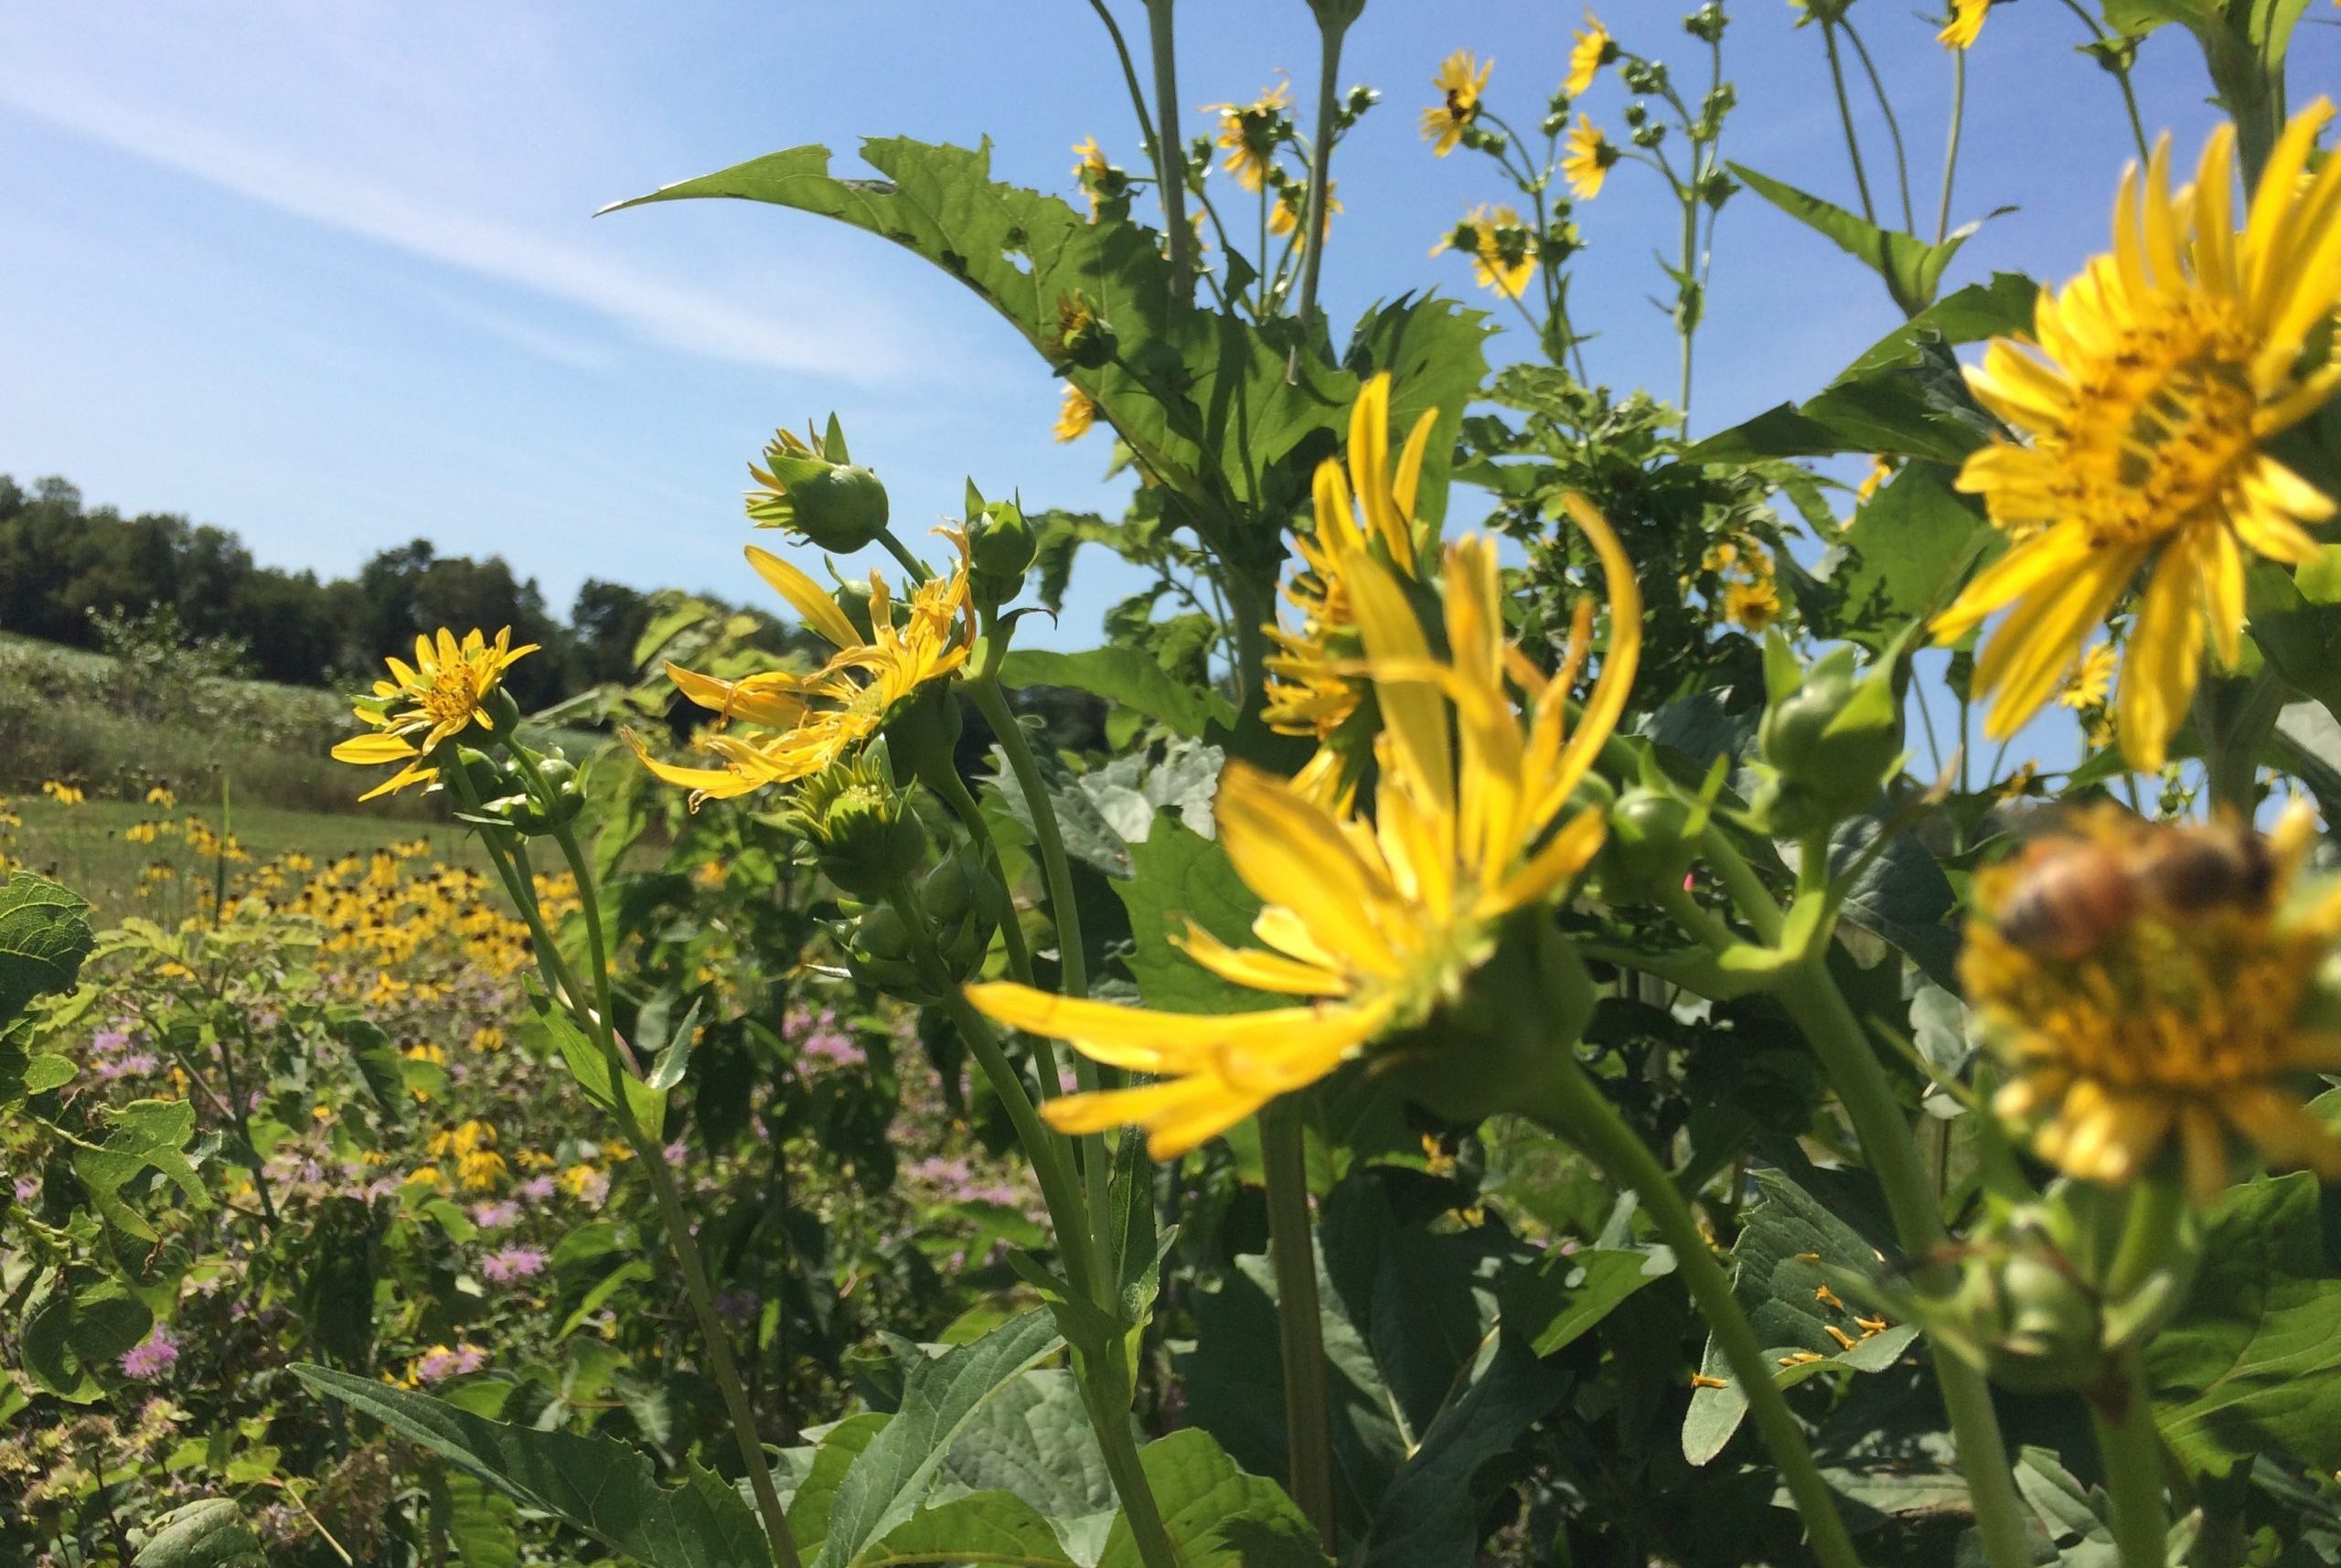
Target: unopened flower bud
{"type": "Point", "coordinates": [1000, 547]}
{"type": "Point", "coordinates": [1830, 738]}
{"type": "Point", "coordinates": [859, 822]}
{"type": "Point", "coordinates": [814, 489]}
{"type": "Point", "coordinates": [1653, 840]}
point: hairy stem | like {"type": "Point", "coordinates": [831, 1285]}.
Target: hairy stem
{"type": "Point", "coordinates": [1320, 163]}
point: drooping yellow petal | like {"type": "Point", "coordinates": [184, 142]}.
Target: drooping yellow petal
{"type": "Point", "coordinates": [815, 608]}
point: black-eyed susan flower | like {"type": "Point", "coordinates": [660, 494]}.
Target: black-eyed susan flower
{"type": "Point", "coordinates": [1503, 249]}
{"type": "Point", "coordinates": [1249, 134]}
{"type": "Point", "coordinates": [812, 721]}
{"type": "Point", "coordinates": [443, 693]}
{"type": "Point", "coordinates": [2144, 982]}
{"type": "Point", "coordinates": [1593, 49]}
{"type": "Point", "coordinates": [2145, 398]}
{"type": "Point", "coordinates": [1375, 924]}
{"type": "Point", "coordinates": [1585, 163]}
{"type": "Point", "coordinates": [1965, 25]}
{"type": "Point", "coordinates": [1462, 78]}
{"type": "Point", "coordinates": [1313, 687]}
{"type": "Point", "coordinates": [1075, 414]}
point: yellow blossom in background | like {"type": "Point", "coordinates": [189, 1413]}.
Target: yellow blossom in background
{"type": "Point", "coordinates": [1587, 163]}
{"type": "Point", "coordinates": [63, 793]}
{"type": "Point", "coordinates": [488, 1037]}
{"type": "Point", "coordinates": [2147, 395]}
{"type": "Point", "coordinates": [1092, 171]}
{"type": "Point", "coordinates": [814, 720]}
{"type": "Point", "coordinates": [2181, 1024]}
{"type": "Point", "coordinates": [1751, 595]}
{"type": "Point", "coordinates": [1292, 205]}
{"type": "Point", "coordinates": [1751, 605]}
{"type": "Point", "coordinates": [1593, 49]}
{"type": "Point", "coordinates": [1374, 923]}
{"type": "Point", "coordinates": [1309, 690]}
{"type": "Point", "coordinates": [1074, 415]}
{"type": "Point", "coordinates": [2089, 682]}
{"type": "Point", "coordinates": [1247, 133]}
{"type": "Point", "coordinates": [160, 795]}
{"type": "Point", "coordinates": [1502, 250]}
{"type": "Point", "coordinates": [1461, 80]}
{"type": "Point", "coordinates": [435, 698]}
{"type": "Point", "coordinates": [1966, 22]}
{"type": "Point", "coordinates": [1881, 469]}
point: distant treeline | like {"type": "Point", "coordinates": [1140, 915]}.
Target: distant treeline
{"type": "Point", "coordinates": [61, 562]}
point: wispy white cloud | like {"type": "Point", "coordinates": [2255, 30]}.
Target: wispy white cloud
{"type": "Point", "coordinates": [558, 268]}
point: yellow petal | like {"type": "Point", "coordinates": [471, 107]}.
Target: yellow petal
{"type": "Point", "coordinates": [1259, 971]}
{"type": "Point", "coordinates": [816, 609]}
{"type": "Point", "coordinates": [1291, 852]}
{"type": "Point", "coordinates": [1413, 712]}
{"type": "Point", "coordinates": [2158, 670]}
{"type": "Point", "coordinates": [365, 750]}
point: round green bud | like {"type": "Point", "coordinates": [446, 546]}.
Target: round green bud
{"type": "Point", "coordinates": [1651, 844]}
{"type": "Point", "coordinates": [1000, 547]}
{"type": "Point", "coordinates": [840, 508]}
{"type": "Point", "coordinates": [1830, 738]}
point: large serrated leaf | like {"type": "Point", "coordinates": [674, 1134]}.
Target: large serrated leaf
{"type": "Point", "coordinates": [1123, 675]}
{"type": "Point", "coordinates": [44, 936]}
{"type": "Point", "coordinates": [592, 1484]}
{"type": "Point", "coordinates": [890, 1478]}
{"type": "Point", "coordinates": [1183, 876]}
{"type": "Point", "coordinates": [209, 1533]}
{"type": "Point", "coordinates": [982, 1527]}
{"type": "Point", "coordinates": [1217, 1516]}
{"type": "Point", "coordinates": [144, 1135]}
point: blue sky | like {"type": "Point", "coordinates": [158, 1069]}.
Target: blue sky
{"type": "Point", "coordinates": [327, 274]}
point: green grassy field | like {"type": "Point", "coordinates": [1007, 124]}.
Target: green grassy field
{"type": "Point", "coordinates": [85, 846]}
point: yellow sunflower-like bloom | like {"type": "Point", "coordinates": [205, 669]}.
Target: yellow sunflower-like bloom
{"type": "Point", "coordinates": [1092, 172]}
{"type": "Point", "coordinates": [435, 698]}
{"type": "Point", "coordinates": [1586, 164]}
{"type": "Point", "coordinates": [2183, 1021]}
{"type": "Point", "coordinates": [1312, 688]}
{"type": "Point", "coordinates": [1593, 49]}
{"type": "Point", "coordinates": [2090, 682]}
{"type": "Point", "coordinates": [1461, 80]}
{"type": "Point", "coordinates": [1502, 250]}
{"type": "Point", "coordinates": [2148, 392]}
{"type": "Point", "coordinates": [1965, 25]}
{"type": "Point", "coordinates": [1375, 924]}
{"type": "Point", "coordinates": [1075, 414]}
{"type": "Point", "coordinates": [812, 721]}
{"type": "Point", "coordinates": [1293, 206]}
{"type": "Point", "coordinates": [1247, 133]}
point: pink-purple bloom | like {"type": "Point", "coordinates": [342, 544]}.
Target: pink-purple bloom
{"type": "Point", "coordinates": [440, 1363]}
{"type": "Point", "coordinates": [496, 1214]}
{"type": "Point", "coordinates": [151, 1357]}
{"type": "Point", "coordinates": [506, 1264]}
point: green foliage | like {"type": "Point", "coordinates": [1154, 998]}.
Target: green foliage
{"type": "Point", "coordinates": [1910, 267]}
{"type": "Point", "coordinates": [44, 936]}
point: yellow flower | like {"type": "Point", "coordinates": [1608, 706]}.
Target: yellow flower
{"type": "Point", "coordinates": [1587, 166]}
{"type": "Point", "coordinates": [161, 796]}
{"type": "Point", "coordinates": [1502, 250]}
{"type": "Point", "coordinates": [1461, 80]}
{"type": "Point", "coordinates": [814, 720]}
{"type": "Point", "coordinates": [1751, 604]}
{"type": "Point", "coordinates": [1292, 205]}
{"type": "Point", "coordinates": [1594, 49]}
{"type": "Point", "coordinates": [1248, 132]}
{"type": "Point", "coordinates": [63, 793]}
{"type": "Point", "coordinates": [2089, 682]}
{"type": "Point", "coordinates": [2155, 380]}
{"type": "Point", "coordinates": [1095, 174]}
{"type": "Point", "coordinates": [1374, 923]}
{"type": "Point", "coordinates": [1966, 22]}
{"type": "Point", "coordinates": [1075, 416]}
{"type": "Point", "coordinates": [1310, 690]}
{"type": "Point", "coordinates": [1881, 469]}
{"type": "Point", "coordinates": [2184, 1021]}
{"type": "Point", "coordinates": [436, 698]}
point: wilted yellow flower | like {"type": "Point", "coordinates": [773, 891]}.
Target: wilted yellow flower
{"type": "Point", "coordinates": [1074, 415]}
{"type": "Point", "coordinates": [1460, 81]}
{"type": "Point", "coordinates": [2148, 395]}
{"type": "Point", "coordinates": [1247, 132]}
{"type": "Point", "coordinates": [1376, 923]}
{"type": "Point", "coordinates": [1502, 250]}
{"type": "Point", "coordinates": [814, 720]}
{"type": "Point", "coordinates": [1593, 49]}
{"type": "Point", "coordinates": [1292, 205]}
{"type": "Point", "coordinates": [1586, 164]}
{"type": "Point", "coordinates": [1309, 690]}
{"type": "Point", "coordinates": [2183, 1020]}
{"type": "Point", "coordinates": [433, 699]}
{"type": "Point", "coordinates": [1966, 22]}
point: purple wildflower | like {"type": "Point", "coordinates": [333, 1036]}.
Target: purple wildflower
{"type": "Point", "coordinates": [506, 1264]}
{"type": "Point", "coordinates": [151, 1357]}
{"type": "Point", "coordinates": [537, 1189]}
{"type": "Point", "coordinates": [496, 1215]}
{"type": "Point", "coordinates": [440, 1363]}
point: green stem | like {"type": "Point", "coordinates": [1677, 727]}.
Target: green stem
{"type": "Point", "coordinates": [1572, 1105]}
{"type": "Point", "coordinates": [1160, 43]}
{"type": "Point", "coordinates": [992, 703]}
{"type": "Point", "coordinates": [954, 791]}
{"type": "Point", "coordinates": [1106, 1393]}
{"type": "Point", "coordinates": [2157, 1211]}
{"type": "Point", "coordinates": [1950, 141]}
{"type": "Point", "coordinates": [1321, 163]}
{"type": "Point", "coordinates": [1893, 126]}
{"type": "Point", "coordinates": [1293, 1251]}
{"type": "Point", "coordinates": [1137, 93]}
{"type": "Point", "coordinates": [1845, 117]}
{"type": "Point", "coordinates": [2131, 1451]}
{"type": "Point", "coordinates": [2234, 736]}
{"type": "Point", "coordinates": [901, 551]}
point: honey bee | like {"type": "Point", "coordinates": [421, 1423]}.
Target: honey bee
{"type": "Point", "coordinates": [2078, 893]}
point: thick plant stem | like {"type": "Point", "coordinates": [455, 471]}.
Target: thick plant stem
{"type": "Point", "coordinates": [1292, 1250]}
{"type": "Point", "coordinates": [963, 805]}
{"type": "Point", "coordinates": [2131, 1451]}
{"type": "Point", "coordinates": [1173, 184]}
{"type": "Point", "coordinates": [1321, 163]}
{"type": "Point", "coordinates": [1106, 1392]}
{"type": "Point", "coordinates": [992, 703]}
{"type": "Point", "coordinates": [1572, 1105]}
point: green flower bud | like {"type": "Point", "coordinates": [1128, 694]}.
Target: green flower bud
{"type": "Point", "coordinates": [1653, 837]}
{"type": "Point", "coordinates": [812, 488]}
{"type": "Point", "coordinates": [1000, 547]}
{"type": "Point", "coordinates": [501, 712]}
{"type": "Point", "coordinates": [853, 601]}
{"type": "Point", "coordinates": [964, 905]}
{"type": "Point", "coordinates": [859, 822]}
{"type": "Point", "coordinates": [1084, 341]}
{"type": "Point", "coordinates": [1830, 738]}
{"type": "Point", "coordinates": [878, 952]}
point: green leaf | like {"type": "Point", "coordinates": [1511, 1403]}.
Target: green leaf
{"type": "Point", "coordinates": [2300, 637]}
{"type": "Point", "coordinates": [1570, 1293]}
{"type": "Point", "coordinates": [1912, 268]}
{"type": "Point", "coordinates": [1183, 876]}
{"type": "Point", "coordinates": [146, 1134]}
{"type": "Point", "coordinates": [1122, 676]}
{"type": "Point", "coordinates": [483, 1524]}
{"type": "Point", "coordinates": [1034, 1438]}
{"type": "Point", "coordinates": [593, 1071]}
{"type": "Point", "coordinates": [210, 1534]}
{"type": "Point", "coordinates": [980, 1528]}
{"type": "Point", "coordinates": [592, 1484]}
{"type": "Point", "coordinates": [74, 1324]}
{"type": "Point", "coordinates": [1430, 1516]}
{"type": "Point", "coordinates": [2253, 1364]}
{"type": "Point", "coordinates": [378, 1060]}
{"type": "Point", "coordinates": [890, 1478]}
{"type": "Point", "coordinates": [1217, 1516]}
{"type": "Point", "coordinates": [1790, 1242]}
{"type": "Point", "coordinates": [44, 936]}
{"type": "Point", "coordinates": [1900, 894]}
{"type": "Point", "coordinates": [1903, 559]}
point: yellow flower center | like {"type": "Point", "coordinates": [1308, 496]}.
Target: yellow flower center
{"type": "Point", "coordinates": [454, 696]}
{"type": "Point", "coordinates": [2161, 423]}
